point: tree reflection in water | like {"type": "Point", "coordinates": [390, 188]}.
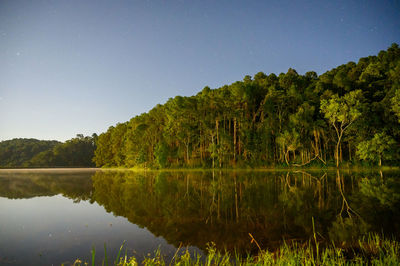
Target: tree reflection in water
{"type": "Point", "coordinates": [197, 207]}
{"type": "Point", "coordinates": [194, 208]}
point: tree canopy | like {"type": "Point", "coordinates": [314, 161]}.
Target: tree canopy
{"type": "Point", "coordinates": [266, 120]}
{"type": "Point", "coordinates": [76, 152]}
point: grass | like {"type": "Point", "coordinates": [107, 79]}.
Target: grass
{"type": "Point", "coordinates": [372, 250]}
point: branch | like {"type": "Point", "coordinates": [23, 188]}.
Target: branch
{"type": "Point", "coordinates": [351, 122]}
{"type": "Point", "coordinates": [337, 130]}
{"type": "Point", "coordinates": [309, 175]}
{"type": "Point", "coordinates": [344, 202]}
{"type": "Point", "coordinates": [316, 156]}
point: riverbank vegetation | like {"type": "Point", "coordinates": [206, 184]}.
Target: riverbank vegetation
{"type": "Point", "coordinates": [370, 251]}
{"type": "Point", "coordinates": [348, 114]}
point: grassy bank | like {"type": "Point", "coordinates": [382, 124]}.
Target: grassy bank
{"type": "Point", "coordinates": [370, 251]}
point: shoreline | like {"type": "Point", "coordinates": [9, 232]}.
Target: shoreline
{"type": "Point", "coordinates": [272, 169]}
{"type": "Point", "coordinates": [61, 169]}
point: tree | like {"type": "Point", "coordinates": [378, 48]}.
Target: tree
{"type": "Point", "coordinates": [161, 154]}
{"type": "Point", "coordinates": [289, 141]}
{"type": "Point", "coordinates": [376, 149]}
{"type": "Point", "coordinates": [103, 154]}
{"type": "Point", "coordinates": [76, 152]}
{"type": "Point", "coordinates": [341, 112]}
{"type": "Point", "coordinates": [396, 103]}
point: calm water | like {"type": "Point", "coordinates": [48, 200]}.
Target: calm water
{"type": "Point", "coordinates": [55, 216]}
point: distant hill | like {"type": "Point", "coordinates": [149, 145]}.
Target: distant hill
{"type": "Point", "coordinates": [18, 152]}
{"type": "Point", "coordinates": [76, 152]}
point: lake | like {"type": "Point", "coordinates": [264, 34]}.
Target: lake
{"type": "Point", "coordinates": [56, 216]}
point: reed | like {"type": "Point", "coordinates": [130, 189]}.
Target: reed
{"type": "Point", "coordinates": [371, 250]}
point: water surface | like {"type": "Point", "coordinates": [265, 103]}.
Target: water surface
{"type": "Point", "coordinates": [55, 216]}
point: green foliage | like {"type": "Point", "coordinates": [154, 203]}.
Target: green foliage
{"type": "Point", "coordinates": [141, 157]}
{"type": "Point", "coordinates": [386, 192]}
{"type": "Point", "coordinates": [19, 152]}
{"type": "Point", "coordinates": [347, 230]}
{"type": "Point", "coordinates": [76, 152]}
{"type": "Point", "coordinates": [161, 154]}
{"type": "Point", "coordinates": [396, 103]}
{"type": "Point", "coordinates": [267, 120]}
{"type": "Point", "coordinates": [373, 250]}
{"type": "Point", "coordinates": [380, 147]}
{"type": "Point", "coordinates": [342, 110]}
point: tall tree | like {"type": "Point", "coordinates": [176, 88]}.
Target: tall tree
{"type": "Point", "coordinates": [341, 112]}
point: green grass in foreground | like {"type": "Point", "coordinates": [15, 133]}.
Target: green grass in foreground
{"type": "Point", "coordinates": [372, 251]}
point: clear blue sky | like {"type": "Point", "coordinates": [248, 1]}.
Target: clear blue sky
{"type": "Point", "coordinates": [69, 67]}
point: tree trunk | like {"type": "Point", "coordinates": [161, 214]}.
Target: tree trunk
{"type": "Point", "coordinates": [236, 200]}
{"type": "Point", "coordinates": [239, 143]}
{"type": "Point", "coordinates": [337, 155]}
{"type": "Point", "coordinates": [349, 151]}
{"type": "Point", "coordinates": [234, 139]}
{"type": "Point", "coordinates": [201, 150]}
{"type": "Point", "coordinates": [212, 151]}
{"type": "Point", "coordinates": [187, 151]}
{"type": "Point", "coordinates": [286, 155]}
{"type": "Point", "coordinates": [216, 128]}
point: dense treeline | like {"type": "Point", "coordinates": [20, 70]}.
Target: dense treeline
{"type": "Point", "coordinates": [18, 152]}
{"type": "Point", "coordinates": [76, 152]}
{"type": "Point", "coordinates": [349, 113]}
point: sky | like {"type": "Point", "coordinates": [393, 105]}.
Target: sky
{"type": "Point", "coordinates": [78, 67]}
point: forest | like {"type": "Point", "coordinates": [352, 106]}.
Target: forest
{"type": "Point", "coordinates": [76, 152]}
{"type": "Point", "coordinates": [347, 115]}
